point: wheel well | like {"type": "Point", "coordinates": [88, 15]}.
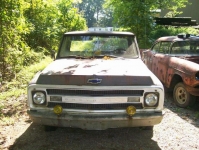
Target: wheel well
{"type": "Point", "coordinates": [176, 78]}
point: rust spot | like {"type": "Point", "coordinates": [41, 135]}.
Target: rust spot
{"type": "Point", "coordinates": [106, 58]}
{"type": "Point", "coordinates": [50, 72]}
{"type": "Point", "coordinates": [69, 72]}
{"type": "Point", "coordinates": [104, 71]}
{"type": "Point", "coordinates": [58, 72]}
{"type": "Point", "coordinates": [87, 66]}
{"type": "Point", "coordinates": [130, 117]}
{"type": "Point", "coordinates": [75, 66]}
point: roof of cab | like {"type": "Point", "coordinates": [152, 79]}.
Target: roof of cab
{"type": "Point", "coordinates": [98, 33]}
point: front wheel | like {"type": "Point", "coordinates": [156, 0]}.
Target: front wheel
{"type": "Point", "coordinates": [181, 97]}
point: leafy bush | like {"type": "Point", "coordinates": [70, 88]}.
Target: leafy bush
{"type": "Point", "coordinates": [169, 31]}
{"type": "Point", "coordinates": [11, 92]}
{"type": "Point", "coordinates": [19, 84]}
{"type": "Point", "coordinates": [32, 29]}
{"type": "Point", "coordinates": [15, 60]}
{"type": "Point", "coordinates": [31, 57]}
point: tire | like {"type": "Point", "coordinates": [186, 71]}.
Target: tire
{"type": "Point", "coordinates": [181, 97]}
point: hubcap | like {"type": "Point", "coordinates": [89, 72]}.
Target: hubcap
{"type": "Point", "coordinates": [181, 95]}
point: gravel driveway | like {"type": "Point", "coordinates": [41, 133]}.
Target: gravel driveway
{"type": "Point", "coordinates": [179, 130]}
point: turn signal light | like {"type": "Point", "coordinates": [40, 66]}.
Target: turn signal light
{"type": "Point", "coordinates": [57, 109]}
{"type": "Point", "coordinates": [131, 110]}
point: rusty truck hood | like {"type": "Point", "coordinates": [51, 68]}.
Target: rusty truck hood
{"type": "Point", "coordinates": [116, 71]}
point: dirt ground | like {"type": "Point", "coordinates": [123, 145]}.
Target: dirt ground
{"type": "Point", "coordinates": [179, 130]}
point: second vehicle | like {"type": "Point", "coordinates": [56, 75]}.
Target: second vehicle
{"type": "Point", "coordinates": [175, 61]}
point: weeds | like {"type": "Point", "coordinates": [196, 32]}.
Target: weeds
{"type": "Point", "coordinates": [197, 115]}
{"type": "Point", "coordinates": [7, 120]}
{"type": "Point", "coordinates": [10, 91]}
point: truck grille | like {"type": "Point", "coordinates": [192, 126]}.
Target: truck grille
{"type": "Point", "coordinates": [95, 106]}
{"type": "Point", "coordinates": [95, 93]}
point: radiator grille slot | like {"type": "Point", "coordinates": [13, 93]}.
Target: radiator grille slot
{"type": "Point", "coordinates": [95, 106]}
{"type": "Point", "coordinates": [95, 93]}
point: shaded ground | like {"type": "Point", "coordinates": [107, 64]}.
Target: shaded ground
{"type": "Point", "coordinates": [178, 130]}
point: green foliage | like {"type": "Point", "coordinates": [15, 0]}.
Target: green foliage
{"type": "Point", "coordinates": [18, 85]}
{"type": "Point", "coordinates": [92, 10]}
{"type": "Point", "coordinates": [137, 15]}
{"type": "Point", "coordinates": [10, 92]}
{"type": "Point", "coordinates": [12, 25]}
{"type": "Point", "coordinates": [31, 26]}
{"type": "Point", "coordinates": [50, 20]}
{"type": "Point", "coordinates": [106, 18]}
{"type": "Point", "coordinates": [171, 31]}
{"type": "Point", "coordinates": [197, 115]}
{"type": "Point", "coordinates": [160, 31]}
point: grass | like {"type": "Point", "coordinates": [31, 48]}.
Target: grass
{"type": "Point", "coordinates": [18, 86]}
{"type": "Point", "coordinates": [7, 121]}
{"type": "Point", "coordinates": [197, 115]}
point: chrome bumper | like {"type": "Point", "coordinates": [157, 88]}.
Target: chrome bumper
{"type": "Point", "coordinates": [99, 121]}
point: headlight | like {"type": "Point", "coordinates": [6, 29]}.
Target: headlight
{"type": "Point", "coordinates": [151, 99]}
{"type": "Point", "coordinates": [39, 98]}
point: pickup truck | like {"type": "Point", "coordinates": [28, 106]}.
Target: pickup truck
{"type": "Point", "coordinates": [97, 81]}
{"type": "Point", "coordinates": [175, 61]}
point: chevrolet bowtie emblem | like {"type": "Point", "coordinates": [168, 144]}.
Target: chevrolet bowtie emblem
{"type": "Point", "coordinates": [94, 81]}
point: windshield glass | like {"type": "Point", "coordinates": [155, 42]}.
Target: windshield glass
{"type": "Point", "coordinates": [101, 45]}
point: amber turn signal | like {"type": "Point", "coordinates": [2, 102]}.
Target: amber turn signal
{"type": "Point", "coordinates": [131, 110]}
{"type": "Point", "coordinates": [57, 109]}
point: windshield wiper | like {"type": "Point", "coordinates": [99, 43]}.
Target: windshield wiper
{"type": "Point", "coordinates": [90, 57]}
{"type": "Point", "coordinates": [102, 56]}
{"type": "Point", "coordinates": [77, 57]}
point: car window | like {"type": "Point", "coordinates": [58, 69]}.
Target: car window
{"type": "Point", "coordinates": [185, 47]}
{"type": "Point", "coordinates": [180, 47]}
{"type": "Point", "coordinates": [93, 45]}
{"type": "Point", "coordinates": [161, 47]}
{"type": "Point", "coordinates": [194, 47]}
{"type": "Point", "coordinates": [156, 47]}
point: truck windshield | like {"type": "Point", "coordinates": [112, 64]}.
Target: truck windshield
{"type": "Point", "coordinates": [87, 46]}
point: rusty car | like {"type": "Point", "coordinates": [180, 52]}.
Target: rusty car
{"type": "Point", "coordinates": [175, 61]}
{"type": "Point", "coordinates": [96, 81]}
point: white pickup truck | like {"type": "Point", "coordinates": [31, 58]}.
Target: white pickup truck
{"type": "Point", "coordinates": [97, 81]}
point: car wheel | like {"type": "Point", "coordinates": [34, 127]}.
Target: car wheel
{"type": "Point", "coordinates": [181, 97]}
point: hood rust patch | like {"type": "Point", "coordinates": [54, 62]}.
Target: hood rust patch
{"type": "Point", "coordinates": [103, 71]}
{"type": "Point", "coordinates": [130, 67]}
{"type": "Point", "coordinates": [87, 66]}
{"type": "Point", "coordinates": [70, 67]}
{"type": "Point", "coordinates": [68, 72]}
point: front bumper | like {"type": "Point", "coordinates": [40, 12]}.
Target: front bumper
{"type": "Point", "coordinates": [97, 121]}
